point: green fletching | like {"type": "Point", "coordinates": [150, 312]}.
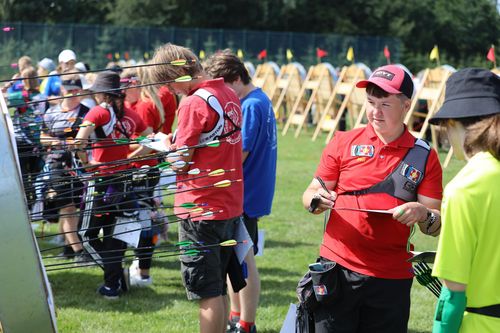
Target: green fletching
{"type": "Point", "coordinates": [191, 252]}
{"type": "Point", "coordinates": [188, 205]}
{"type": "Point", "coordinates": [184, 243]}
{"type": "Point", "coordinates": [215, 143]}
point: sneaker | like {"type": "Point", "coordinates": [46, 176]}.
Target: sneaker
{"type": "Point", "coordinates": [231, 326]}
{"type": "Point", "coordinates": [240, 329]}
{"type": "Point", "coordinates": [108, 293]}
{"type": "Point", "coordinates": [66, 254]}
{"type": "Point", "coordinates": [136, 279]}
{"type": "Point", "coordinates": [83, 259]}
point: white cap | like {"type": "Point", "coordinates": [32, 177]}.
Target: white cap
{"type": "Point", "coordinates": [81, 67]}
{"type": "Point", "coordinates": [67, 55]}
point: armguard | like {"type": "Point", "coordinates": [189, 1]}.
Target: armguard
{"type": "Point", "coordinates": [449, 311]}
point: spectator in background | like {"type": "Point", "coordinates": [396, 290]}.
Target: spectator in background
{"type": "Point", "coordinates": [17, 84]}
{"type": "Point", "coordinates": [468, 255]}
{"type": "Point", "coordinates": [259, 173]}
{"type": "Point", "coordinates": [45, 67]}
{"type": "Point", "coordinates": [27, 120]}
{"type": "Point", "coordinates": [67, 61]}
{"type": "Point", "coordinates": [62, 189]}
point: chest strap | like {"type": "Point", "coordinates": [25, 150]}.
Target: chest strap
{"type": "Point", "coordinates": [403, 182]}
{"type": "Point", "coordinates": [491, 310]}
{"type": "Point", "coordinates": [218, 129]}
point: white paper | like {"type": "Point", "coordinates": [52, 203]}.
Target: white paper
{"type": "Point", "coordinates": [158, 144]}
{"type": "Point", "coordinates": [260, 243]}
{"type": "Point", "coordinates": [127, 231]}
{"type": "Point", "coordinates": [240, 235]}
{"type": "Point", "coordinates": [291, 317]}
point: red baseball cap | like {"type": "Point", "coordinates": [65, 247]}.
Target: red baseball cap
{"type": "Point", "coordinates": [392, 79]}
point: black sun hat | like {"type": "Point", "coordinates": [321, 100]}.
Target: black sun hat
{"type": "Point", "coordinates": [470, 92]}
{"type": "Point", "coordinates": [107, 82]}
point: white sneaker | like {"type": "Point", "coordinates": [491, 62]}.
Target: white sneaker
{"type": "Point", "coordinates": [136, 280]}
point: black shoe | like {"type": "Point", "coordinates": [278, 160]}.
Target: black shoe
{"type": "Point", "coordinates": [66, 254]}
{"type": "Point", "coordinates": [108, 293]}
{"type": "Point", "coordinates": [83, 259]}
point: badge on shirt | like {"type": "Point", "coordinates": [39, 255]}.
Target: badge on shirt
{"type": "Point", "coordinates": [411, 173]}
{"type": "Point", "coordinates": [362, 150]}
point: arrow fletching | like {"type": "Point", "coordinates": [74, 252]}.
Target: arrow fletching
{"type": "Point", "coordinates": [188, 205]}
{"type": "Point", "coordinates": [214, 143]}
{"type": "Point", "coordinates": [191, 252]}
{"type": "Point", "coordinates": [218, 172]}
{"type": "Point", "coordinates": [194, 171]}
{"type": "Point", "coordinates": [223, 183]}
{"type": "Point", "coordinates": [178, 62]}
{"type": "Point", "coordinates": [230, 242]}
{"type": "Point", "coordinates": [185, 78]}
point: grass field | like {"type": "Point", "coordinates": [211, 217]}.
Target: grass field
{"type": "Point", "coordinates": [292, 241]}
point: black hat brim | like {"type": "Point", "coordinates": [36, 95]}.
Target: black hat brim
{"type": "Point", "coordinates": [466, 108]}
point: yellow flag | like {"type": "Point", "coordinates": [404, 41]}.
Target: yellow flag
{"type": "Point", "coordinates": [289, 54]}
{"type": "Point", "coordinates": [239, 54]}
{"type": "Point", "coordinates": [434, 53]}
{"type": "Point", "coordinates": [117, 55]}
{"type": "Point", "coordinates": [146, 55]}
{"type": "Point", "coordinates": [202, 54]}
{"type": "Point", "coordinates": [350, 54]}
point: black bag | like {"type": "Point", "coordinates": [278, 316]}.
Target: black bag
{"type": "Point", "coordinates": [305, 293]}
{"type": "Point", "coordinates": [325, 281]}
{"type": "Point", "coordinates": [304, 322]}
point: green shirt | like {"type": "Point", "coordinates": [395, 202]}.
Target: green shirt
{"type": "Point", "coordinates": [469, 246]}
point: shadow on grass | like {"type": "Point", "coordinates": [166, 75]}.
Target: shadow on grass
{"type": "Point", "coordinates": [77, 289]}
{"type": "Point", "coordinates": [415, 331]}
{"type": "Point", "coordinates": [270, 243]}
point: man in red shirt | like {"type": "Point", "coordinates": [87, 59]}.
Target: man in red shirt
{"type": "Point", "coordinates": [209, 111]}
{"type": "Point", "coordinates": [379, 167]}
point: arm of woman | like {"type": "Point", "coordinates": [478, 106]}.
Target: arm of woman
{"type": "Point", "coordinates": [81, 139]}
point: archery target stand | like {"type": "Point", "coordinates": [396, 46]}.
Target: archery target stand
{"type": "Point", "coordinates": [26, 302]}
{"type": "Point", "coordinates": [316, 90]}
{"type": "Point", "coordinates": [343, 97]}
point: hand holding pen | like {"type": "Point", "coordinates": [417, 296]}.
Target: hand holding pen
{"type": "Point", "coordinates": [323, 199]}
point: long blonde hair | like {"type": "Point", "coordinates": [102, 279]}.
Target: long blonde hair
{"type": "Point", "coordinates": [150, 92]}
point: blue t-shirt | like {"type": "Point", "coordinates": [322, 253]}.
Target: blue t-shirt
{"type": "Point", "coordinates": [259, 140]}
{"type": "Point", "coordinates": [53, 86]}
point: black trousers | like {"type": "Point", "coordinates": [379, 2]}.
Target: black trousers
{"type": "Point", "coordinates": [366, 305]}
{"type": "Point", "coordinates": [99, 213]}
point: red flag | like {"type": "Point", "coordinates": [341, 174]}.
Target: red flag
{"type": "Point", "coordinates": [491, 54]}
{"type": "Point", "coordinates": [126, 56]}
{"type": "Point", "coordinates": [109, 56]}
{"type": "Point", "coordinates": [387, 53]}
{"type": "Point", "coordinates": [262, 54]}
{"type": "Point", "coordinates": [321, 53]}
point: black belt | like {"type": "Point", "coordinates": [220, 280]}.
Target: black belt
{"type": "Point", "coordinates": [491, 310]}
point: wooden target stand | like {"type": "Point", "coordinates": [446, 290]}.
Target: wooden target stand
{"type": "Point", "coordinates": [285, 90]}
{"type": "Point", "coordinates": [26, 302]}
{"type": "Point", "coordinates": [316, 90]}
{"type": "Point", "coordinates": [265, 77]}
{"type": "Point", "coordinates": [431, 90]}
{"type": "Point", "coordinates": [343, 97]}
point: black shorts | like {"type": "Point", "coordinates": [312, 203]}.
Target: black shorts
{"type": "Point", "coordinates": [251, 223]}
{"type": "Point", "coordinates": [204, 275]}
{"type": "Point", "coordinates": [366, 304]}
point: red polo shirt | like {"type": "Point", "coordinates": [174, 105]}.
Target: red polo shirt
{"type": "Point", "coordinates": [195, 116]}
{"type": "Point", "coordinates": [370, 243]}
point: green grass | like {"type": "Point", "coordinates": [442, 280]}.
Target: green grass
{"type": "Point", "coordinates": [292, 241]}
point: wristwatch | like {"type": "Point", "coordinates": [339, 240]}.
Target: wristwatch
{"type": "Point", "coordinates": [430, 220]}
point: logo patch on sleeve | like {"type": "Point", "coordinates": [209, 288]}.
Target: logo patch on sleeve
{"type": "Point", "coordinates": [362, 150]}
{"type": "Point", "coordinates": [411, 173]}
